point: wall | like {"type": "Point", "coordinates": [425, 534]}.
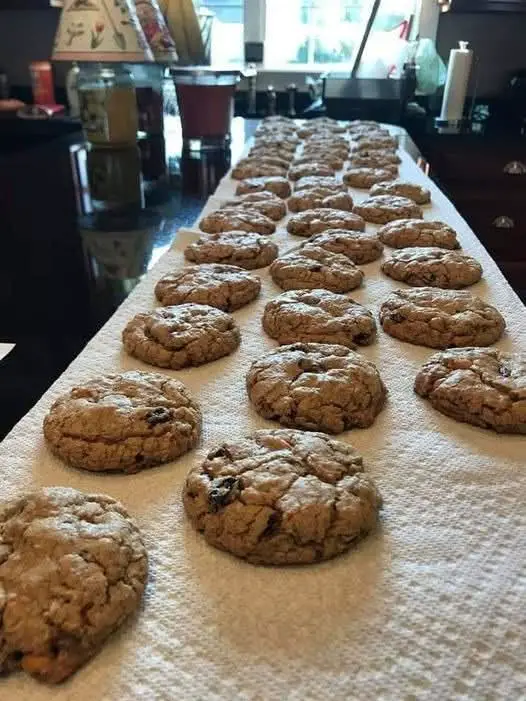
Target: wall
{"type": "Point", "coordinates": [25, 36]}
{"type": "Point", "coordinates": [497, 41]}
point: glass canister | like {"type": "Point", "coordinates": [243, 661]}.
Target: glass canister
{"type": "Point", "coordinates": [114, 176]}
{"type": "Point", "coordinates": [148, 81]}
{"type": "Point", "coordinates": [108, 105]}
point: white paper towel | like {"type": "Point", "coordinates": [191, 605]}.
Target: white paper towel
{"type": "Point", "coordinates": [458, 70]}
{"type": "Point", "coordinates": [429, 607]}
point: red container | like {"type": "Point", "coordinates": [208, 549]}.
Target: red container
{"type": "Point", "coordinates": [42, 83]}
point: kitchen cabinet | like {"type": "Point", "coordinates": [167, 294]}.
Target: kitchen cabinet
{"type": "Point", "coordinates": [485, 178]}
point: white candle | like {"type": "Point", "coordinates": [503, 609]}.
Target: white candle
{"type": "Point", "coordinates": [458, 71]}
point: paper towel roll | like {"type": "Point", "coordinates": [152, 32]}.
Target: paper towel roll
{"type": "Point", "coordinates": [458, 71]}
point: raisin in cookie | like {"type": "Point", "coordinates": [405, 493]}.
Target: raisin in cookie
{"type": "Point", "coordinates": [278, 185]}
{"type": "Point", "coordinates": [404, 233]}
{"type": "Point", "coordinates": [359, 246]}
{"type": "Point", "coordinates": [296, 172]}
{"type": "Point", "coordinates": [434, 267]}
{"type": "Point", "coordinates": [316, 386]}
{"type": "Point", "coordinates": [183, 336]}
{"type": "Point", "coordinates": [123, 422]}
{"type": "Point", "coordinates": [401, 188]}
{"type": "Point", "coordinates": [241, 248]}
{"type": "Point", "coordinates": [365, 177]}
{"type": "Point", "coordinates": [428, 316]}
{"type": "Point", "coordinates": [313, 268]}
{"type": "Point", "coordinates": [265, 203]}
{"type": "Point", "coordinates": [226, 287]}
{"type": "Point", "coordinates": [314, 221]}
{"type": "Point", "coordinates": [311, 182]}
{"type": "Point", "coordinates": [319, 197]}
{"type": "Point", "coordinates": [480, 386]}
{"type": "Point", "coordinates": [385, 208]}
{"type": "Point", "coordinates": [282, 497]}
{"type": "Point", "coordinates": [318, 316]}
{"type": "Point", "coordinates": [73, 569]}
{"type": "Point", "coordinates": [232, 219]}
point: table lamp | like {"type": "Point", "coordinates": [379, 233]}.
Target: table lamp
{"type": "Point", "coordinates": [102, 36]}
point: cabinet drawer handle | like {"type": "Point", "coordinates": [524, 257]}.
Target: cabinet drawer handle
{"type": "Point", "coordinates": [515, 168]}
{"type": "Point", "coordinates": [504, 223]}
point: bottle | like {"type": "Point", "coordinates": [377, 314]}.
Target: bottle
{"type": "Point", "coordinates": [72, 90]}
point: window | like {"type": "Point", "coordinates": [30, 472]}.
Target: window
{"type": "Point", "coordinates": [312, 33]}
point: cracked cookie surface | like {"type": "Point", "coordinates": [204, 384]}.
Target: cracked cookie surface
{"type": "Point", "coordinates": [328, 182]}
{"type": "Point", "coordinates": [480, 386]}
{"type": "Point", "coordinates": [282, 497]}
{"type": "Point", "coordinates": [183, 336]}
{"type": "Point", "coordinates": [244, 249]}
{"type": "Point", "coordinates": [318, 316]}
{"type": "Point", "coordinates": [296, 172]}
{"type": "Point", "coordinates": [359, 246]}
{"type": "Point", "coordinates": [278, 185]}
{"type": "Point", "coordinates": [227, 287]}
{"type": "Point", "coordinates": [437, 318]}
{"type": "Point", "coordinates": [73, 567]}
{"type": "Point", "coordinates": [314, 221]}
{"type": "Point", "coordinates": [402, 188]}
{"type": "Point", "coordinates": [319, 198]}
{"type": "Point", "coordinates": [256, 168]}
{"type": "Point", "coordinates": [365, 177]}
{"type": "Point", "coordinates": [316, 386]}
{"type": "Point", "coordinates": [264, 202]}
{"type": "Point", "coordinates": [240, 219]}
{"type": "Point", "coordinates": [372, 143]}
{"type": "Point", "coordinates": [123, 422]}
{"type": "Point", "coordinates": [406, 233]}
{"type": "Point", "coordinates": [433, 267]}
{"type": "Point", "coordinates": [312, 268]}
{"type": "Point", "coordinates": [381, 209]}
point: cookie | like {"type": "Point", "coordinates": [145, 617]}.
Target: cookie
{"type": "Point", "coordinates": [327, 139]}
{"type": "Point", "coordinates": [278, 185]}
{"type": "Point", "coordinates": [314, 221]}
{"type": "Point", "coordinates": [319, 197]}
{"type": "Point", "coordinates": [385, 208]}
{"type": "Point", "coordinates": [226, 287]}
{"type": "Point", "coordinates": [257, 169]}
{"type": "Point", "coordinates": [73, 569]}
{"type": "Point", "coordinates": [380, 143]}
{"type": "Point", "coordinates": [123, 422]}
{"type": "Point", "coordinates": [404, 233]}
{"type": "Point", "coordinates": [383, 157]}
{"type": "Point", "coordinates": [480, 386]}
{"type": "Point", "coordinates": [305, 169]}
{"type": "Point", "coordinates": [377, 132]}
{"type": "Point", "coordinates": [241, 248]}
{"type": "Point", "coordinates": [315, 268]}
{"type": "Point", "coordinates": [441, 318]}
{"type": "Point", "coordinates": [282, 497]}
{"type": "Point", "coordinates": [316, 386]}
{"type": "Point", "coordinates": [359, 246]}
{"type": "Point", "coordinates": [314, 126]}
{"type": "Point", "coordinates": [370, 161]}
{"type": "Point", "coordinates": [433, 267]}
{"type": "Point", "coordinates": [272, 152]}
{"type": "Point", "coordinates": [401, 188]}
{"type": "Point", "coordinates": [286, 141]}
{"type": "Point", "coordinates": [183, 336]}
{"type": "Point", "coordinates": [333, 160]}
{"type": "Point", "coordinates": [320, 150]}
{"type": "Point", "coordinates": [318, 316]}
{"type": "Point", "coordinates": [314, 181]}
{"type": "Point", "coordinates": [265, 203]}
{"type": "Point", "coordinates": [360, 125]}
{"type": "Point", "coordinates": [365, 177]}
{"type": "Point", "coordinates": [268, 159]}
{"type": "Point", "coordinates": [232, 219]}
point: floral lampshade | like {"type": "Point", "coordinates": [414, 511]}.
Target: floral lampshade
{"type": "Point", "coordinates": [156, 31]}
{"type": "Point", "coordinates": [100, 30]}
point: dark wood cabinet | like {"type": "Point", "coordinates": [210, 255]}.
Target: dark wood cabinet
{"type": "Point", "coordinates": [488, 6]}
{"type": "Point", "coordinates": [29, 4]}
{"type": "Point", "coordinates": [485, 179]}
